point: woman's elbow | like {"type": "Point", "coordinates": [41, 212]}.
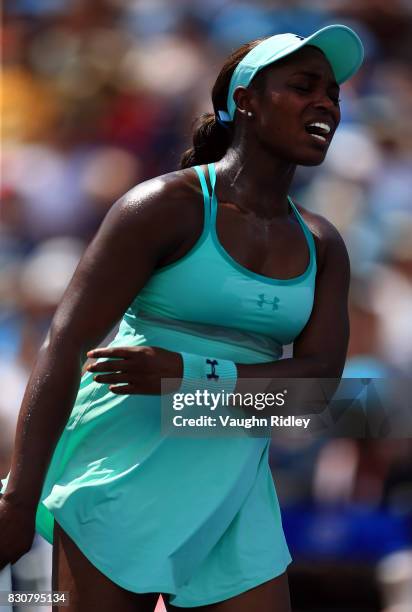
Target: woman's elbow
{"type": "Point", "coordinates": [62, 340]}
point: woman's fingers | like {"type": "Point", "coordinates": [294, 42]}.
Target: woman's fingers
{"type": "Point", "coordinates": [139, 367]}
{"type": "Point", "coordinates": [109, 366]}
{"type": "Point", "coordinates": [112, 378]}
{"type": "Point", "coordinates": [123, 389]}
{"type": "Point", "coordinates": [117, 351]}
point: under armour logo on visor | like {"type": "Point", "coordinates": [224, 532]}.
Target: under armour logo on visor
{"type": "Point", "coordinates": [213, 363]}
{"type": "Point", "coordinates": [300, 37]}
{"type": "Point", "coordinates": [262, 301]}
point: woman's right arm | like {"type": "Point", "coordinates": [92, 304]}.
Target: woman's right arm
{"type": "Point", "coordinates": [138, 231]}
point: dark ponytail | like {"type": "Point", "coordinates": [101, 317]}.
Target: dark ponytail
{"type": "Point", "coordinates": [211, 139]}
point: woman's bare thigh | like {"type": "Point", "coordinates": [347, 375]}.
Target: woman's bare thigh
{"type": "Point", "coordinates": [271, 596]}
{"type": "Point", "coordinates": [88, 588]}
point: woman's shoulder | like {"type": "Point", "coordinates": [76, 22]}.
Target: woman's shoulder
{"type": "Point", "coordinates": [170, 203]}
{"type": "Point", "coordinates": [176, 187]}
{"type": "Point", "coordinates": [163, 212]}
{"type": "Point", "coordinates": [328, 239]}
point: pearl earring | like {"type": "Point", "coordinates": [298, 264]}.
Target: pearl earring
{"type": "Point", "coordinates": [249, 114]}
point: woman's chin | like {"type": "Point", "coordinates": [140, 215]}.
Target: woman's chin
{"type": "Point", "coordinates": [313, 158]}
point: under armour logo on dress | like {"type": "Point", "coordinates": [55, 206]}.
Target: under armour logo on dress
{"type": "Point", "coordinates": [262, 301]}
{"type": "Point", "coordinates": [213, 363]}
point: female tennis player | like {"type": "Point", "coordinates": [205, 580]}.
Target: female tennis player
{"type": "Point", "coordinates": [213, 268]}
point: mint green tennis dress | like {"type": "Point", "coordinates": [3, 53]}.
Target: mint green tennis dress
{"type": "Point", "coordinates": [194, 517]}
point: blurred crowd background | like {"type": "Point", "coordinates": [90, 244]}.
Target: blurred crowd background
{"type": "Point", "coordinates": [98, 95]}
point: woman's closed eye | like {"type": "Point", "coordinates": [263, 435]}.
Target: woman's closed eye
{"type": "Point", "coordinates": [300, 88]}
{"type": "Point", "coordinates": [307, 89]}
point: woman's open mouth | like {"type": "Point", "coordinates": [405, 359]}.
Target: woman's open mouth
{"type": "Point", "coordinates": [319, 131]}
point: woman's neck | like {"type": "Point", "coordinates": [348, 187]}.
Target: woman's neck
{"type": "Point", "coordinates": [254, 182]}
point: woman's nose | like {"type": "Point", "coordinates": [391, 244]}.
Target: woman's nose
{"type": "Point", "coordinates": [326, 102]}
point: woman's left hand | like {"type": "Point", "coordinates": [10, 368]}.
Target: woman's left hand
{"type": "Point", "coordinates": [138, 369]}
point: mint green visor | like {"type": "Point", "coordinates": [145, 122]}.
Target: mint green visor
{"type": "Point", "coordinates": [341, 46]}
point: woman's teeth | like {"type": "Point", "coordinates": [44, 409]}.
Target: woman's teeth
{"type": "Point", "coordinates": [319, 137]}
{"type": "Point", "coordinates": [322, 126]}
{"type": "Point", "coordinates": [318, 130]}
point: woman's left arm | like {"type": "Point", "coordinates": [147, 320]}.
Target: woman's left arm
{"type": "Point", "coordinates": [319, 350]}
